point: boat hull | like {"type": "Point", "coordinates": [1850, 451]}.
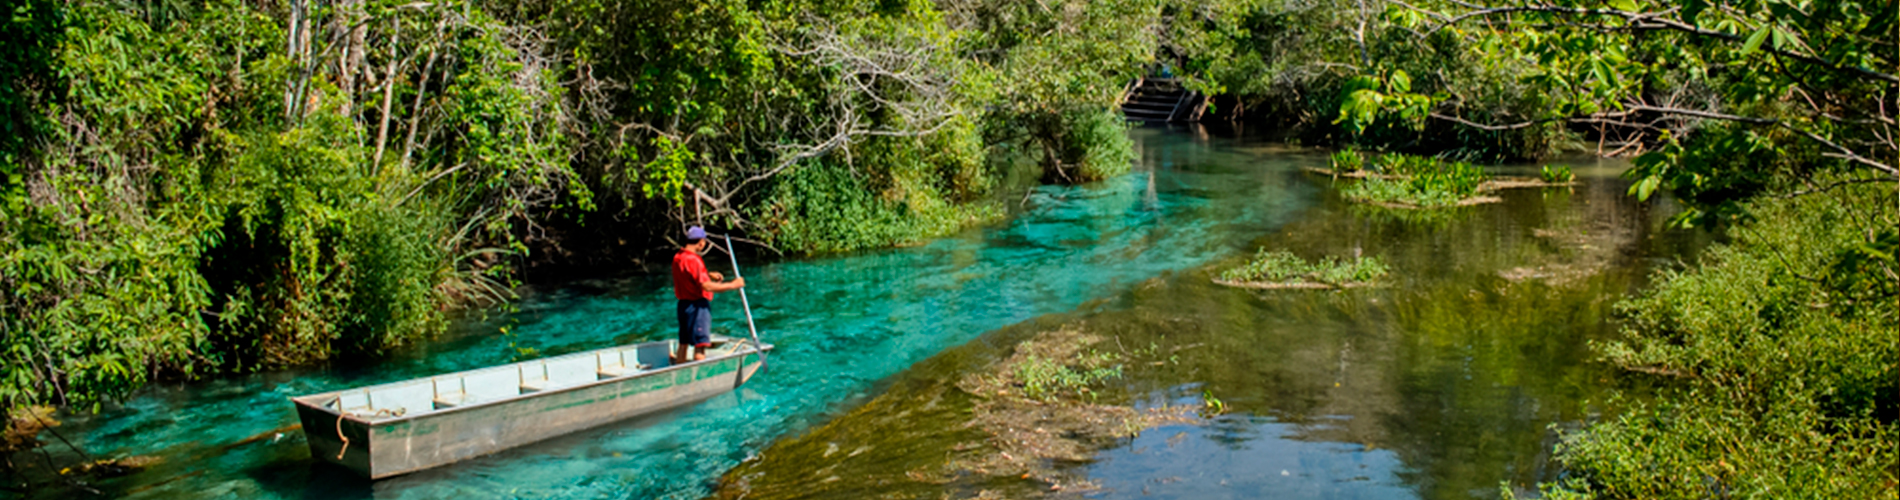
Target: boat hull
{"type": "Point", "coordinates": [384, 448]}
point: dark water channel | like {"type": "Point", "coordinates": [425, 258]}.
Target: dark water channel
{"type": "Point", "coordinates": [1440, 385]}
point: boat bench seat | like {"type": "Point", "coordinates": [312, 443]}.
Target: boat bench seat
{"type": "Point", "coordinates": [617, 371]}
{"type": "Point", "coordinates": [475, 387]}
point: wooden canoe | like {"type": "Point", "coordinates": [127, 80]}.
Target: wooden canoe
{"type": "Point", "coordinates": [401, 427]}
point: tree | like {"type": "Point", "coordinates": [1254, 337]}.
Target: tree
{"type": "Point", "coordinates": [1801, 90]}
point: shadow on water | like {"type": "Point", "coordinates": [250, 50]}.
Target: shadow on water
{"type": "Point", "coordinates": [843, 324]}
{"type": "Point", "coordinates": [1443, 383]}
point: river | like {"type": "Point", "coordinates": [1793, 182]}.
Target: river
{"type": "Point", "coordinates": [1441, 385]}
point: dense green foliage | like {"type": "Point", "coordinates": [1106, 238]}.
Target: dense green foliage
{"type": "Point", "coordinates": [199, 199]}
{"type": "Point", "coordinates": [1731, 99]}
{"type": "Point", "coordinates": [198, 186]}
{"type": "Point", "coordinates": [1360, 72]}
{"type": "Point", "coordinates": [825, 208]}
{"type": "Point", "coordinates": [1781, 349]}
{"type": "Point", "coordinates": [906, 109]}
{"type": "Point", "coordinates": [31, 35]}
{"type": "Point", "coordinates": [1283, 267]}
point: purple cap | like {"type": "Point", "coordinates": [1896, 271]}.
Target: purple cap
{"type": "Point", "coordinates": [695, 233]}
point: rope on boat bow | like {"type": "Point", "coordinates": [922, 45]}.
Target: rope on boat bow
{"type": "Point", "coordinates": [339, 427]}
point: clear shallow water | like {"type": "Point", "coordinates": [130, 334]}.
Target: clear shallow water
{"type": "Point", "coordinates": [1242, 456]}
{"type": "Point", "coordinates": [841, 323]}
{"type": "Point", "coordinates": [1443, 383]}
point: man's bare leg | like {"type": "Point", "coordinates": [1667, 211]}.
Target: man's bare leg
{"type": "Point", "coordinates": [680, 355]}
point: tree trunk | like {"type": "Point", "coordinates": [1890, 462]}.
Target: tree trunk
{"type": "Point", "coordinates": [294, 42]}
{"type": "Point", "coordinates": [389, 96]}
{"type": "Point", "coordinates": [351, 64]}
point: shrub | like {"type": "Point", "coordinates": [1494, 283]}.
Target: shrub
{"type": "Point", "coordinates": [1783, 363]}
{"type": "Point", "coordinates": [823, 207]}
{"type": "Point", "coordinates": [1074, 146]}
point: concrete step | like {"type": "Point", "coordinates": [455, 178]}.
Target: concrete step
{"type": "Point", "coordinates": [1163, 106]}
{"type": "Point", "coordinates": [1145, 116]}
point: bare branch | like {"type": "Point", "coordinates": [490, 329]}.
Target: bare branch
{"type": "Point", "coordinates": [1840, 151]}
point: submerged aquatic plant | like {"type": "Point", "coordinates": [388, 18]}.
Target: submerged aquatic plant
{"type": "Point", "coordinates": [1285, 268]}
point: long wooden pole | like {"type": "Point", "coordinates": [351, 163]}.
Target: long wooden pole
{"type": "Point", "coordinates": [749, 325]}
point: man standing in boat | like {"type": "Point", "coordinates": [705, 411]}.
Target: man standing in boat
{"type": "Point", "coordinates": [694, 288]}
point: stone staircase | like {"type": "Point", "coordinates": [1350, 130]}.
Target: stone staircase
{"type": "Point", "coordinates": [1159, 100]}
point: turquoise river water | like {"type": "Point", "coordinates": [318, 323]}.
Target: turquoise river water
{"type": "Point", "coordinates": [848, 327]}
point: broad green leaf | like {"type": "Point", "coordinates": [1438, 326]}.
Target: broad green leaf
{"type": "Point", "coordinates": [1754, 41]}
{"type": "Point", "coordinates": [1646, 187]}
{"type": "Point", "coordinates": [1603, 72]}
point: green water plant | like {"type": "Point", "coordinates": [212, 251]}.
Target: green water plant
{"type": "Point", "coordinates": [1347, 161]}
{"type": "Point", "coordinates": [1045, 379]}
{"type": "Point", "coordinates": [1284, 268]}
{"type": "Point", "coordinates": [1210, 405]}
{"type": "Point", "coordinates": [1557, 174]}
{"type": "Point", "coordinates": [1399, 193]}
{"type": "Point", "coordinates": [1402, 164]}
{"type": "Point", "coordinates": [1419, 182]}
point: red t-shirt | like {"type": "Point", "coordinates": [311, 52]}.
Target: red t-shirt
{"type": "Point", "coordinates": [688, 272]}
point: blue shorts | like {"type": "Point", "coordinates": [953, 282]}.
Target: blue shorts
{"type": "Point", "coordinates": [696, 323]}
